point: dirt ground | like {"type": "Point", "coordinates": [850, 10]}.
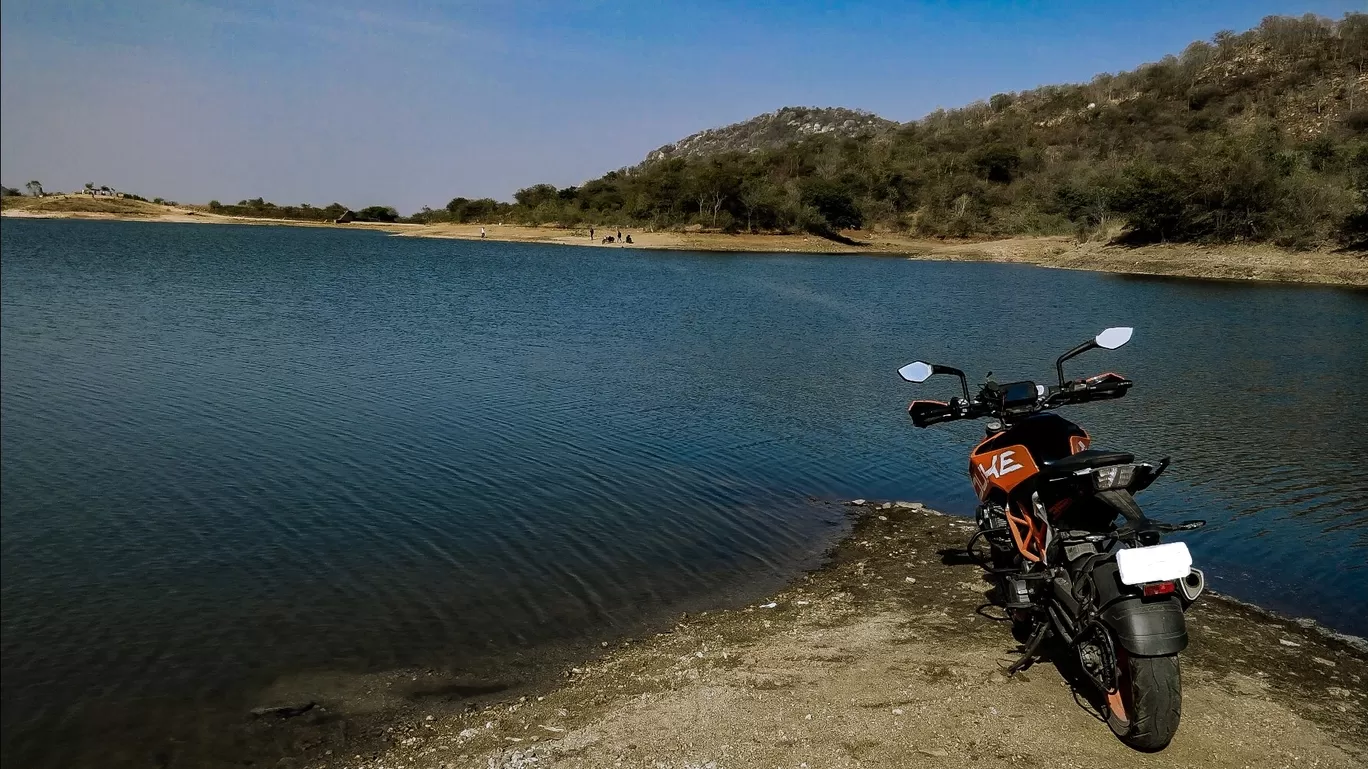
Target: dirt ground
{"type": "Point", "coordinates": [1254, 262]}
{"type": "Point", "coordinates": [886, 657]}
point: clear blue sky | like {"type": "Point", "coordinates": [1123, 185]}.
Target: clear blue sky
{"type": "Point", "coordinates": [412, 103]}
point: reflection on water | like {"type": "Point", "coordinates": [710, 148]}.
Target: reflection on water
{"type": "Point", "coordinates": [232, 453]}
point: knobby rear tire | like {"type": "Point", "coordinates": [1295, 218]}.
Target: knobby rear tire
{"type": "Point", "coordinates": [1151, 690]}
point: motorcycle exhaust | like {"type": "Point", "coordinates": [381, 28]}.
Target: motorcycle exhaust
{"type": "Point", "coordinates": [1192, 585]}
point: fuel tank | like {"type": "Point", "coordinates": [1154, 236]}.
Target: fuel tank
{"type": "Point", "coordinates": [1008, 458]}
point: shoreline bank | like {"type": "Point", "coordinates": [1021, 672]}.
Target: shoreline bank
{"type": "Point", "coordinates": [883, 656]}
{"type": "Point", "coordinates": [1235, 262]}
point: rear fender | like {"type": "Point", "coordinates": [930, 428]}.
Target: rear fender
{"type": "Point", "coordinates": [1145, 627]}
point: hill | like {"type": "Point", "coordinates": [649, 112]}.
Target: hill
{"type": "Point", "coordinates": [1260, 136]}
{"type": "Point", "coordinates": [775, 129]}
{"type": "Point", "coordinates": [56, 205]}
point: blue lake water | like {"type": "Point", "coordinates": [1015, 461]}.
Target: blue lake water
{"type": "Point", "coordinates": [234, 452]}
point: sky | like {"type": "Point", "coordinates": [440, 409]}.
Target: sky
{"type": "Point", "coordinates": [412, 102]}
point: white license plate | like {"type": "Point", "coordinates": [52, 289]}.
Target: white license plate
{"type": "Point", "coordinates": [1157, 563]}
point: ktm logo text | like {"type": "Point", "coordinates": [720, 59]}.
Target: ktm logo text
{"type": "Point", "coordinates": [1001, 465]}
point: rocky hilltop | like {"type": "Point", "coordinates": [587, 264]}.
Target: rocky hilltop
{"type": "Point", "coordinates": [776, 129]}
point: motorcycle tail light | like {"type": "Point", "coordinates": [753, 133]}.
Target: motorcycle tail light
{"type": "Point", "coordinates": [1113, 477]}
{"type": "Point", "coordinates": [1159, 588]}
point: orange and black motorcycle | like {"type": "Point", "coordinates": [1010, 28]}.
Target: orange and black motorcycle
{"type": "Point", "coordinates": [1048, 535]}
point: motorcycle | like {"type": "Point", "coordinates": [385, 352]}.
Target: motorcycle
{"type": "Point", "coordinates": [1048, 537]}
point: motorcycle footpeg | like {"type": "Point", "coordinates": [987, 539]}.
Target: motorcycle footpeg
{"type": "Point", "coordinates": [1016, 592]}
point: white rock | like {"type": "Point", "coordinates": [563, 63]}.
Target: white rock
{"type": "Point", "coordinates": [897, 711]}
{"type": "Point", "coordinates": [769, 605]}
{"type": "Point", "coordinates": [1286, 642]}
{"type": "Point", "coordinates": [909, 505]}
{"type": "Point", "coordinates": [467, 734]}
{"type": "Point", "coordinates": [857, 502]}
{"type": "Point", "coordinates": [911, 580]}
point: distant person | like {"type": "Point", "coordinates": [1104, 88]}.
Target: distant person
{"type": "Point", "coordinates": [482, 233]}
{"type": "Point", "coordinates": [629, 239]}
{"type": "Point", "coordinates": [591, 233]}
{"type": "Point", "coordinates": [619, 233]}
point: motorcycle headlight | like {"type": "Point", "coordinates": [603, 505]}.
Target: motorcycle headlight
{"type": "Point", "coordinates": [1113, 477]}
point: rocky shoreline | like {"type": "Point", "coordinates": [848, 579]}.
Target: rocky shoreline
{"type": "Point", "coordinates": [884, 656]}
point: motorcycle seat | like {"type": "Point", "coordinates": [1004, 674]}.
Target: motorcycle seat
{"type": "Point", "coordinates": [1084, 460]}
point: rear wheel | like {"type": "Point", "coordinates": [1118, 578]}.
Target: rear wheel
{"type": "Point", "coordinates": [1145, 709]}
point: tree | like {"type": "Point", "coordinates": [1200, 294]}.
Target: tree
{"type": "Point", "coordinates": [755, 195]}
{"type": "Point", "coordinates": [536, 195]}
{"type": "Point", "coordinates": [833, 203]}
{"type": "Point", "coordinates": [377, 214]}
{"type": "Point", "coordinates": [1151, 198]}
{"type": "Point", "coordinates": [35, 188]}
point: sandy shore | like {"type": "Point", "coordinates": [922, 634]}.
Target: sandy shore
{"type": "Point", "coordinates": [882, 658]}
{"type": "Point", "coordinates": [1225, 262]}
{"type": "Point", "coordinates": [1263, 263]}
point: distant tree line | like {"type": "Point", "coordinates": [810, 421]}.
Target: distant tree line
{"type": "Point", "coordinates": [261, 208]}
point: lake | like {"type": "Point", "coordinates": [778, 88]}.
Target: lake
{"type": "Point", "coordinates": [232, 453]}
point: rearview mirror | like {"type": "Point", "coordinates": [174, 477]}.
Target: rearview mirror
{"type": "Point", "coordinates": [917, 371]}
{"type": "Point", "coordinates": [1112, 338]}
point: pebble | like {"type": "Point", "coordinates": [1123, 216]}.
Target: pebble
{"type": "Point", "coordinates": [883, 517]}
{"type": "Point", "coordinates": [897, 711]}
{"type": "Point", "coordinates": [769, 605]}
{"type": "Point", "coordinates": [911, 580]}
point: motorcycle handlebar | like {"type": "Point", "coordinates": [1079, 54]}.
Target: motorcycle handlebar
{"type": "Point", "coordinates": [1101, 387]}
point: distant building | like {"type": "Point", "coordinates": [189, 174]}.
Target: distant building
{"type": "Point", "coordinates": [347, 217]}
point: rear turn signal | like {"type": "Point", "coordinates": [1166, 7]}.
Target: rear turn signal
{"type": "Point", "coordinates": [1159, 588]}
